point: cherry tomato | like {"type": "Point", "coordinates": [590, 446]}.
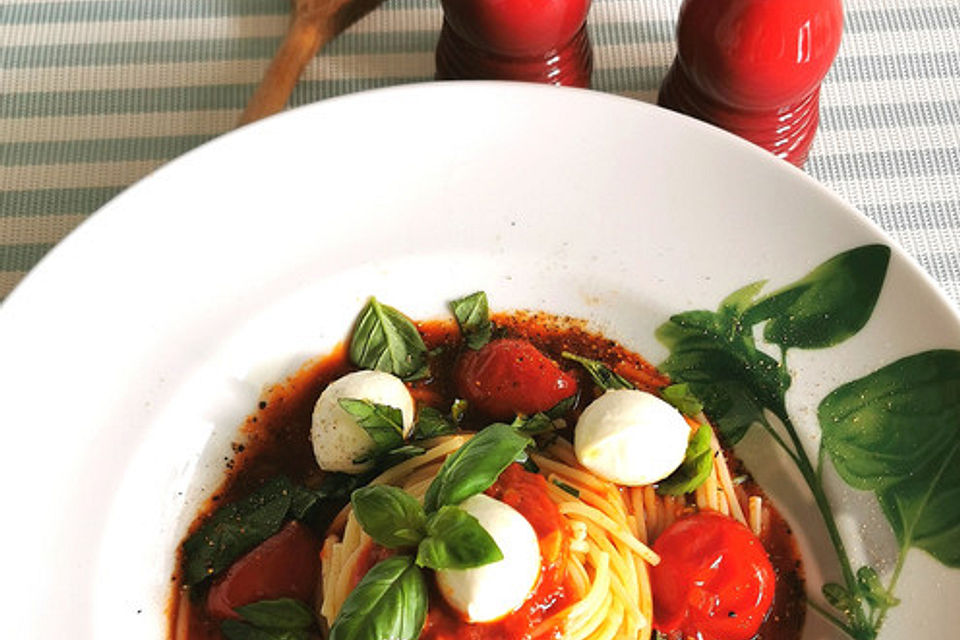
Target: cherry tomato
{"type": "Point", "coordinates": [508, 376]}
{"type": "Point", "coordinates": [283, 566]}
{"type": "Point", "coordinates": [714, 580]}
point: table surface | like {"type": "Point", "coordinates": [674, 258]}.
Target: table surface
{"type": "Point", "coordinates": [95, 94]}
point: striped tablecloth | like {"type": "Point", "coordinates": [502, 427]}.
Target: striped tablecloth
{"type": "Point", "coordinates": [94, 94]}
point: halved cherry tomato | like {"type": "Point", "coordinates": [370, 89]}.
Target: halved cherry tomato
{"type": "Point", "coordinates": [714, 580]}
{"type": "Point", "coordinates": [282, 566]}
{"type": "Point", "coordinates": [508, 376]}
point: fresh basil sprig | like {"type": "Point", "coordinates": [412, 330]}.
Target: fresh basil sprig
{"type": "Point", "coordinates": [456, 540]}
{"type": "Point", "coordinates": [386, 340]}
{"type": "Point", "coordinates": [697, 465]}
{"type": "Point", "coordinates": [473, 316]}
{"type": "Point", "coordinates": [389, 515]}
{"type": "Point", "coordinates": [449, 538]}
{"type": "Point", "coordinates": [475, 466]}
{"type": "Point", "coordinates": [390, 602]}
{"type": "Point", "coordinates": [602, 375]}
{"type": "Point", "coordinates": [281, 619]}
{"type": "Point", "coordinates": [396, 520]}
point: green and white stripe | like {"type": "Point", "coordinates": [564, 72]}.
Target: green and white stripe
{"type": "Point", "coordinates": [95, 94]}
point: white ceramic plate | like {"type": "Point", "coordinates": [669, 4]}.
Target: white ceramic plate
{"type": "Point", "coordinates": [132, 352]}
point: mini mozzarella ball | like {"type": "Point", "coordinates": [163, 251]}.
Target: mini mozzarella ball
{"type": "Point", "coordinates": [631, 437]}
{"type": "Point", "coordinates": [337, 438]}
{"type": "Point", "coordinates": [493, 590]}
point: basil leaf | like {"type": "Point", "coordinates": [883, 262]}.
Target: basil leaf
{"type": "Point", "coordinates": [680, 396]}
{"type": "Point", "coordinates": [302, 501]}
{"type": "Point", "coordinates": [336, 487]}
{"type": "Point", "coordinates": [383, 423]}
{"type": "Point", "coordinates": [236, 528]}
{"type": "Point", "coordinates": [475, 466]}
{"type": "Point", "coordinates": [533, 425]}
{"type": "Point", "coordinates": [282, 613]}
{"type": "Point", "coordinates": [896, 432]}
{"type": "Point", "coordinates": [386, 340]}
{"type": "Point", "coordinates": [339, 486]}
{"type": "Point", "coordinates": [602, 375]}
{"type": "Point", "coordinates": [473, 317]}
{"type": "Point", "coordinates": [697, 465]}
{"type": "Point", "coordinates": [432, 423]}
{"type": "Point", "coordinates": [828, 305]}
{"type": "Point", "coordinates": [714, 353]}
{"type": "Point", "coordinates": [456, 540]}
{"type": "Point", "coordinates": [390, 602]}
{"type": "Point", "coordinates": [391, 516]}
{"type": "Point", "coordinates": [237, 630]}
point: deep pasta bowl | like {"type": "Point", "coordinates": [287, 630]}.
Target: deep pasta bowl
{"type": "Point", "coordinates": [135, 349]}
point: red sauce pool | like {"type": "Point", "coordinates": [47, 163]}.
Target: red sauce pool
{"type": "Point", "coordinates": [275, 439]}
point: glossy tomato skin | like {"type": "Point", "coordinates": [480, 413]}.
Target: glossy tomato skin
{"type": "Point", "coordinates": [714, 581]}
{"type": "Point", "coordinates": [285, 565]}
{"type": "Point", "coordinates": [510, 376]}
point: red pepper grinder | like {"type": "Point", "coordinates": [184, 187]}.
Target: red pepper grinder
{"type": "Point", "coordinates": [754, 68]}
{"type": "Point", "coordinates": [532, 40]}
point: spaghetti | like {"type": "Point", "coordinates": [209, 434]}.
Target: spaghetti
{"type": "Point", "coordinates": [608, 528]}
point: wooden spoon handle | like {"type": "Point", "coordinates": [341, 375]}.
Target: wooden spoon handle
{"type": "Point", "coordinates": [301, 43]}
{"type": "Point", "coordinates": [315, 23]}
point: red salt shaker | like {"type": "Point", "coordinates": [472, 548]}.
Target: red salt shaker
{"type": "Point", "coordinates": [754, 68]}
{"type": "Point", "coordinates": [531, 40]}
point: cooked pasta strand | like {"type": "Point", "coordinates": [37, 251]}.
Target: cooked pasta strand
{"type": "Point", "coordinates": [756, 515]}
{"type": "Point", "coordinates": [182, 629]}
{"type": "Point", "coordinates": [609, 527]}
{"type": "Point", "coordinates": [723, 472]}
{"type": "Point", "coordinates": [615, 529]}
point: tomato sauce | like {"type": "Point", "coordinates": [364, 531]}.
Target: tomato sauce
{"type": "Point", "coordinates": [527, 493]}
{"type": "Point", "coordinates": [788, 612]}
{"type": "Point", "coordinates": [275, 439]}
